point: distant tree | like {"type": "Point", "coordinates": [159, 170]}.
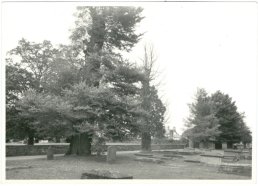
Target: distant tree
{"type": "Point", "coordinates": [245, 134]}
{"type": "Point", "coordinates": [216, 117]}
{"type": "Point", "coordinates": [157, 114]}
{"type": "Point", "coordinates": [36, 58]}
{"type": "Point", "coordinates": [26, 68]}
{"type": "Point", "coordinates": [152, 123]}
{"type": "Point", "coordinates": [18, 80]}
{"type": "Point", "coordinates": [232, 126]}
{"type": "Point", "coordinates": [202, 123]}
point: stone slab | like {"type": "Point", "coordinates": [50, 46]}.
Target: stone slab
{"type": "Point", "coordinates": [212, 155]}
{"type": "Point", "coordinates": [150, 160]}
{"type": "Point", "coordinates": [173, 156]}
{"type": "Point", "coordinates": [143, 155]}
{"type": "Point", "coordinates": [166, 158]}
{"type": "Point", "coordinates": [192, 161]}
{"type": "Point", "coordinates": [20, 167]}
{"type": "Point", "coordinates": [213, 159]}
{"type": "Point", "coordinates": [104, 174]}
{"type": "Point", "coordinates": [239, 169]}
{"type": "Point", "coordinates": [188, 153]}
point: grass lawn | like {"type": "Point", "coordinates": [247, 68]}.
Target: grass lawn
{"type": "Point", "coordinates": [72, 167]}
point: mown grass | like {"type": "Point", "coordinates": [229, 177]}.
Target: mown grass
{"type": "Point", "coordinates": [72, 167]}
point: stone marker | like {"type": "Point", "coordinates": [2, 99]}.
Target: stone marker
{"type": "Point", "coordinates": [224, 146]}
{"type": "Point", "coordinates": [211, 145]}
{"type": "Point", "coordinates": [191, 144]}
{"type": "Point", "coordinates": [201, 145]}
{"type": "Point", "coordinates": [111, 154]}
{"type": "Point", "coordinates": [50, 153]}
{"type": "Point", "coordinates": [104, 174]}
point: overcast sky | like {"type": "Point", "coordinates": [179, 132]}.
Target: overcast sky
{"type": "Point", "coordinates": [206, 45]}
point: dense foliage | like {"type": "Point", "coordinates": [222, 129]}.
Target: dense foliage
{"type": "Point", "coordinates": [85, 90]}
{"type": "Point", "coordinates": [215, 118]}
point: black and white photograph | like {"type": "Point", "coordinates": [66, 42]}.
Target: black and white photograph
{"type": "Point", "coordinates": [129, 90]}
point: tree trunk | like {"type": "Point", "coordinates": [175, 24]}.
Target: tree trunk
{"type": "Point", "coordinates": [36, 140]}
{"type": "Point", "coordinates": [146, 141]}
{"type": "Point", "coordinates": [58, 140]}
{"type": "Point", "coordinates": [30, 138]}
{"type": "Point", "coordinates": [80, 145]}
{"type": "Point", "coordinates": [244, 145]}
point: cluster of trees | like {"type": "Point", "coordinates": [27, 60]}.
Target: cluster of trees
{"type": "Point", "coordinates": [215, 118]}
{"type": "Point", "coordinates": [85, 92]}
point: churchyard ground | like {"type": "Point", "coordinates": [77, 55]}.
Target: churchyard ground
{"type": "Point", "coordinates": [72, 167]}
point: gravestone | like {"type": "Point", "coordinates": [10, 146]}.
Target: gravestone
{"type": "Point", "coordinates": [224, 145]}
{"type": "Point", "coordinates": [111, 154]}
{"type": "Point", "coordinates": [50, 153]}
{"type": "Point", "coordinates": [201, 145]}
{"type": "Point", "coordinates": [191, 144]}
{"type": "Point", "coordinates": [211, 145]}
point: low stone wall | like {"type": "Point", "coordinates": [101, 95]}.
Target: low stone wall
{"type": "Point", "coordinates": [28, 150]}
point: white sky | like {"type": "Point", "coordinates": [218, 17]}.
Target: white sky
{"type": "Point", "coordinates": [206, 45]}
